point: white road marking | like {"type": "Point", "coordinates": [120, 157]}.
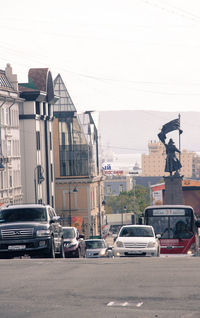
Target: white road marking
{"type": "Point", "coordinates": [110, 303]}
{"type": "Point", "coordinates": [139, 304]}
{"type": "Point", "coordinates": [125, 304]}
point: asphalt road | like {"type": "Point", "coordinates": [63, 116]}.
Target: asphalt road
{"type": "Point", "coordinates": [125, 287]}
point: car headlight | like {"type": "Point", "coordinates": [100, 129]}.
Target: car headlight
{"type": "Point", "coordinates": [191, 251]}
{"type": "Point", "coordinates": [151, 244]}
{"type": "Point", "coordinates": [102, 253]}
{"type": "Point", "coordinates": [71, 244]}
{"type": "Point", "coordinates": [42, 233]}
{"type": "Point", "coordinates": [119, 244]}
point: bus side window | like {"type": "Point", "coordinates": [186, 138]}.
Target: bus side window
{"type": "Point", "coordinates": [140, 220]}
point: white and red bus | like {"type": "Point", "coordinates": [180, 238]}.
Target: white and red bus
{"type": "Point", "coordinates": [177, 226]}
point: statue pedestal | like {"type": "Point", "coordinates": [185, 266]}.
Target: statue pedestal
{"type": "Point", "coordinates": [173, 190]}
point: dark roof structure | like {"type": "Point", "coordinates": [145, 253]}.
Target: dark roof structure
{"type": "Point", "coordinates": [39, 82]}
{"type": "Point", "coordinates": [4, 82]}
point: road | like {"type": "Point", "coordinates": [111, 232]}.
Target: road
{"type": "Point", "coordinates": [116, 288]}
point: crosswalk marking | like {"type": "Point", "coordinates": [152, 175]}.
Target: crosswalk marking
{"type": "Point", "coordinates": [124, 304]}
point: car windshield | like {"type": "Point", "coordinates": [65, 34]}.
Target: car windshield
{"type": "Point", "coordinates": [68, 233]}
{"type": "Point", "coordinates": [23, 215]}
{"type": "Point", "coordinates": [94, 244]}
{"type": "Point", "coordinates": [172, 226]}
{"type": "Point", "coordinates": [136, 232]}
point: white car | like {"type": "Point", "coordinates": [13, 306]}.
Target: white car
{"type": "Point", "coordinates": [137, 240]}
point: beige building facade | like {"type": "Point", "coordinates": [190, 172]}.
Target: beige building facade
{"type": "Point", "coordinates": [10, 154]}
{"type": "Point", "coordinates": [153, 163]}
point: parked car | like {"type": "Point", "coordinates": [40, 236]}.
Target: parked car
{"type": "Point", "coordinates": [137, 240]}
{"type": "Point", "coordinates": [97, 248]}
{"type": "Point", "coordinates": [30, 229]}
{"type": "Point", "coordinates": [73, 246]}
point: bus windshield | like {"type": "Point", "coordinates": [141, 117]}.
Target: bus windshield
{"type": "Point", "coordinates": [171, 223]}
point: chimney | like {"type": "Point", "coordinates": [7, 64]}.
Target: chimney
{"type": "Point", "coordinates": [12, 77]}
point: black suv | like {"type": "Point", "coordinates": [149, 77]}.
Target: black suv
{"type": "Point", "coordinates": [30, 229]}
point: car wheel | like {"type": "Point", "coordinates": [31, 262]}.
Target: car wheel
{"type": "Point", "coordinates": [77, 254]}
{"type": "Point", "coordinates": [5, 256]}
{"type": "Point", "coordinates": [51, 253]}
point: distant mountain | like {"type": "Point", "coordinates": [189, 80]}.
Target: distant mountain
{"type": "Point", "coordinates": [131, 131]}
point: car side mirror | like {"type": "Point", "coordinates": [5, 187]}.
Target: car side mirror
{"type": "Point", "coordinates": [55, 219]}
{"type": "Point", "coordinates": [81, 236]}
{"type": "Point", "coordinates": [114, 239]}
{"type": "Point", "coordinates": [158, 236]}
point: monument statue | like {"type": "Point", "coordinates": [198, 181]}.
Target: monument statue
{"type": "Point", "coordinates": [173, 183]}
{"type": "Point", "coordinates": [172, 162]}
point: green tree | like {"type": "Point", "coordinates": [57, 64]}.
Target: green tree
{"type": "Point", "coordinates": [134, 201]}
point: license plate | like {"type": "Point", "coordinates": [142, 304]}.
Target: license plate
{"type": "Point", "coordinates": [16, 247]}
{"type": "Point", "coordinates": [135, 252]}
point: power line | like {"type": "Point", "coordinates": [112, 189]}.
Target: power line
{"type": "Point", "coordinates": [175, 11]}
{"type": "Point", "coordinates": [125, 148]}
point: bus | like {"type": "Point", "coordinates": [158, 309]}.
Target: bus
{"type": "Point", "coordinates": [177, 226]}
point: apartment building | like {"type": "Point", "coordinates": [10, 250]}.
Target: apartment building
{"type": "Point", "coordinates": [10, 159]}
{"type": "Point", "coordinates": [114, 185]}
{"type": "Point", "coordinates": [36, 130]}
{"type": "Point", "coordinates": [79, 183]}
{"type": "Point", "coordinates": [153, 163]}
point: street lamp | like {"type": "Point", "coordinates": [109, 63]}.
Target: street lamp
{"type": "Point", "coordinates": [38, 179]}
{"type": "Point", "coordinates": [70, 211]}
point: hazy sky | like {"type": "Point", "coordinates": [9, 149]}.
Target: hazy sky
{"type": "Point", "coordinates": [111, 54]}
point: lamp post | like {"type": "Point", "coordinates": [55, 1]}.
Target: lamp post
{"type": "Point", "coordinates": [70, 210]}
{"type": "Point", "coordinates": [100, 216]}
{"type": "Point", "coordinates": [38, 179]}
{"type": "Point", "coordinates": [134, 196]}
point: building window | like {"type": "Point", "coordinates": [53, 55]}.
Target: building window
{"type": "Point", "coordinates": [1, 174]}
{"type": "Point", "coordinates": [121, 188]}
{"type": "Point", "coordinates": [108, 189]}
{"type": "Point", "coordinates": [37, 108]}
{"type": "Point", "coordinates": [11, 181]}
{"type": "Point", "coordinates": [9, 149]}
{"type": "Point", "coordinates": [51, 172]}
{"type": "Point", "coordinates": [49, 110]}
{"type": "Point", "coordinates": [73, 149]}
{"type": "Point", "coordinates": [37, 140]}
{"type": "Point", "coordinates": [44, 108]}
{"type": "Point", "coordinates": [50, 140]}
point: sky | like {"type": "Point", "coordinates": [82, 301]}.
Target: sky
{"type": "Point", "coordinates": [111, 54]}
